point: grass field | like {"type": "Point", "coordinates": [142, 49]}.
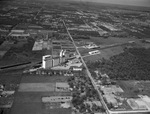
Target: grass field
{"type": "Point", "coordinates": [39, 87]}
{"type": "Point", "coordinates": [44, 79]}
{"type": "Point", "coordinates": [129, 87]}
{"type": "Point", "coordinates": [134, 88]}
{"type": "Point", "coordinates": [93, 58]}
{"type": "Point", "coordinates": [10, 78]}
{"type": "Point", "coordinates": [108, 52]}
{"type": "Point", "coordinates": [27, 97]}
{"type": "Point", "coordinates": [21, 52]}
{"type": "Point", "coordinates": [105, 53]}
{"type": "Point", "coordinates": [111, 40]}
{"type": "Point", "coordinates": [40, 83]}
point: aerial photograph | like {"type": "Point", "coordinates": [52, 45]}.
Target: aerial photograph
{"type": "Point", "coordinates": [74, 56]}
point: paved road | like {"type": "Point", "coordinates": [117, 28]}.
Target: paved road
{"type": "Point", "coordinates": [38, 11]}
{"type": "Point", "coordinates": [87, 70]}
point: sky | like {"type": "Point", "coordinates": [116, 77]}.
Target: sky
{"type": "Point", "coordinates": [124, 2]}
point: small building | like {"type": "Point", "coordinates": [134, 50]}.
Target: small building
{"type": "Point", "coordinates": [57, 99]}
{"type": "Point", "coordinates": [77, 68]}
{"type": "Point", "coordinates": [56, 102]}
{"type": "Point", "coordinates": [62, 86]}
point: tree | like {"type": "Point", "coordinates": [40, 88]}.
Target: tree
{"type": "Point", "coordinates": [110, 105]}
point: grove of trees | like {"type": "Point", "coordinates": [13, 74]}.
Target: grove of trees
{"type": "Point", "coordinates": [133, 64]}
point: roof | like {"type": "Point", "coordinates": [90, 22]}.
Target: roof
{"type": "Point", "coordinates": [62, 84]}
{"type": "Point", "coordinates": [57, 99]}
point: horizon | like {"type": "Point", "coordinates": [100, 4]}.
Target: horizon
{"type": "Point", "coordinates": [145, 3]}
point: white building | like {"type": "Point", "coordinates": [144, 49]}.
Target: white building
{"type": "Point", "coordinates": [47, 61]}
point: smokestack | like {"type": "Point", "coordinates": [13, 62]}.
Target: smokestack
{"type": "Point", "coordinates": [64, 52]}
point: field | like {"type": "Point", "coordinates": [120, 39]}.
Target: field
{"type": "Point", "coordinates": [32, 89]}
{"type": "Point", "coordinates": [134, 88]}
{"type": "Point", "coordinates": [21, 52]}
{"type": "Point", "coordinates": [93, 58]}
{"type": "Point", "coordinates": [44, 79]}
{"type": "Point", "coordinates": [35, 108]}
{"type": "Point", "coordinates": [11, 81]}
{"type": "Point", "coordinates": [111, 40]}
{"type": "Point", "coordinates": [40, 83]}
{"type": "Point", "coordinates": [39, 87]}
{"type": "Point", "coordinates": [106, 50]}
{"type": "Point", "coordinates": [105, 53]}
{"type": "Point", "coordinates": [100, 41]}
{"type": "Point", "coordinates": [10, 78]}
{"type": "Point", "coordinates": [110, 51]}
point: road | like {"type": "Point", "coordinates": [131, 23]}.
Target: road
{"type": "Point", "coordinates": [87, 70]}
{"type": "Point", "coordinates": [38, 11]}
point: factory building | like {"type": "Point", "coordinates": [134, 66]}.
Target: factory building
{"type": "Point", "coordinates": [62, 59]}
{"type": "Point", "coordinates": [56, 61]}
{"type": "Point", "coordinates": [48, 61]}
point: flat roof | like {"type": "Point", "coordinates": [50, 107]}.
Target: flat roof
{"type": "Point", "coordinates": [57, 99]}
{"type": "Point", "coordinates": [62, 84]}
